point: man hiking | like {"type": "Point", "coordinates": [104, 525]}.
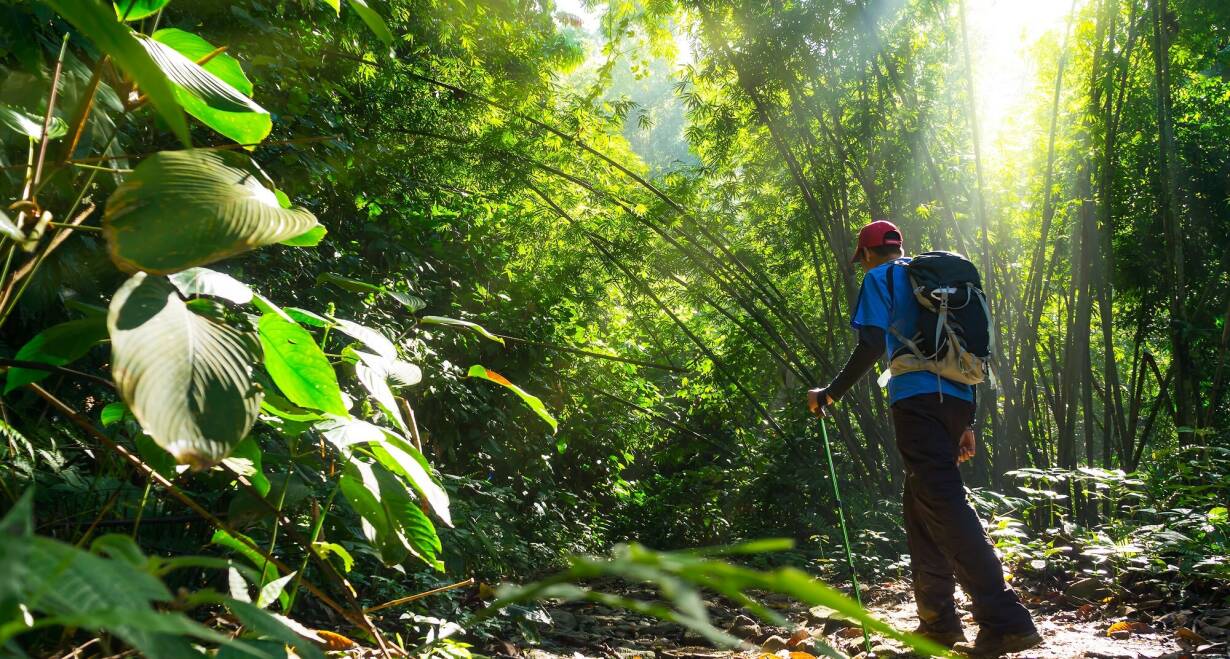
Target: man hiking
{"type": "Point", "coordinates": [933, 421]}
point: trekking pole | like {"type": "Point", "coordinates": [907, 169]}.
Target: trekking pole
{"type": "Point", "coordinates": [841, 518]}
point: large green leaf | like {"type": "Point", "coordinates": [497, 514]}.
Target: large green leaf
{"type": "Point", "coordinates": [299, 367]}
{"type": "Point", "coordinates": [362, 491]}
{"type": "Point", "coordinates": [392, 519]}
{"type": "Point", "coordinates": [535, 404]}
{"type": "Point", "coordinates": [209, 98]}
{"type": "Point", "coordinates": [370, 337]}
{"type": "Point", "coordinates": [222, 65]}
{"type": "Point", "coordinates": [270, 591]}
{"type": "Point", "coordinates": [370, 373]}
{"type": "Point", "coordinates": [180, 209]}
{"type": "Point", "coordinates": [268, 571]}
{"type": "Point", "coordinates": [186, 378]}
{"type": "Point", "coordinates": [281, 628]}
{"type": "Point", "coordinates": [98, 22]}
{"type": "Point", "coordinates": [135, 10]}
{"type": "Point", "coordinates": [57, 345]}
{"type": "Point", "coordinates": [308, 317]}
{"type": "Point", "coordinates": [310, 238]}
{"type": "Point", "coordinates": [396, 454]}
{"type": "Point", "coordinates": [397, 372]}
{"type": "Point", "coordinates": [348, 283]}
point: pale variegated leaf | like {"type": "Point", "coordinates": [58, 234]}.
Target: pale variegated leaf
{"type": "Point", "coordinates": [186, 378]}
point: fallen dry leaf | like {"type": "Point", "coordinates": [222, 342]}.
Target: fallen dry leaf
{"type": "Point", "coordinates": [1190, 636]}
{"type": "Point", "coordinates": [851, 632]}
{"type": "Point", "coordinates": [797, 637]}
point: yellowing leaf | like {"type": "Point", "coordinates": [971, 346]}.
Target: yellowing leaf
{"type": "Point", "coordinates": [335, 641]}
{"type": "Point", "coordinates": [531, 400]}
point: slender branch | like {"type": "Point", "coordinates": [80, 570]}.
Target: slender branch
{"type": "Point", "coordinates": [87, 105]}
{"type": "Point", "coordinates": [598, 355]}
{"type": "Point", "coordinates": [51, 105]}
{"type": "Point", "coordinates": [213, 147]}
{"type": "Point", "coordinates": [52, 368]}
{"type": "Point", "coordinates": [8, 301]}
{"type": "Point", "coordinates": [149, 472]}
{"type": "Point", "coordinates": [663, 419]}
{"type": "Point", "coordinates": [418, 596]}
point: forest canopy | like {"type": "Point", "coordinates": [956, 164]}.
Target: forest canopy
{"type": "Point", "coordinates": [326, 317]}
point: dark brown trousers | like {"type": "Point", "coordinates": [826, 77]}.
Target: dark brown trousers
{"type": "Point", "coordinates": [946, 540]}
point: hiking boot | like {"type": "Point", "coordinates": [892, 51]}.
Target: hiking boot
{"type": "Point", "coordinates": [944, 637]}
{"type": "Point", "coordinates": [994, 644]}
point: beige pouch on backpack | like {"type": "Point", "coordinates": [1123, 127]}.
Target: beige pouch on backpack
{"type": "Point", "coordinates": [957, 364]}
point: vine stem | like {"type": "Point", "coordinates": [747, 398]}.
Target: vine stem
{"type": "Point", "coordinates": [273, 539]}
{"type": "Point", "coordinates": [51, 368]}
{"type": "Point", "coordinates": [316, 528]}
{"type": "Point", "coordinates": [136, 525]}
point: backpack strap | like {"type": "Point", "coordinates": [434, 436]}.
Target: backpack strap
{"type": "Point", "coordinates": [907, 342]}
{"type": "Point", "coordinates": [990, 338]}
{"type": "Point", "coordinates": [986, 310]}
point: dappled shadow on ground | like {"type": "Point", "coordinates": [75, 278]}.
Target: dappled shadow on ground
{"type": "Point", "coordinates": [1072, 628]}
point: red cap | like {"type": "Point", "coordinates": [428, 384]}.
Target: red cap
{"type": "Point", "coordinates": [876, 234]}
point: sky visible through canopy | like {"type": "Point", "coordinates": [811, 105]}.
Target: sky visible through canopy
{"type": "Point", "coordinates": [1003, 38]}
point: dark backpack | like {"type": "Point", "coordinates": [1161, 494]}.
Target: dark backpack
{"type": "Point", "coordinates": [953, 335]}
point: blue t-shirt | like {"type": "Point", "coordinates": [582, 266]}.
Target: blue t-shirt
{"type": "Point", "coordinates": [875, 309]}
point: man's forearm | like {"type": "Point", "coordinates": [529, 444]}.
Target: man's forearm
{"type": "Point", "coordinates": [868, 351]}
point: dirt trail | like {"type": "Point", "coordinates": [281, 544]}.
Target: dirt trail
{"type": "Point", "coordinates": [583, 630]}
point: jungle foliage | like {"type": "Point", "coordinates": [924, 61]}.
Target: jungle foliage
{"type": "Point", "coordinates": [311, 306]}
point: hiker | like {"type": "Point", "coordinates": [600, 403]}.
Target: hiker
{"type": "Point", "coordinates": [933, 420]}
